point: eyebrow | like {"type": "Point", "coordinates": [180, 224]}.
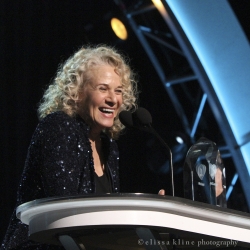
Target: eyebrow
{"type": "Point", "coordinates": [106, 84]}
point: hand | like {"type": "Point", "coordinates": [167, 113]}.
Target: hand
{"type": "Point", "coordinates": [161, 192]}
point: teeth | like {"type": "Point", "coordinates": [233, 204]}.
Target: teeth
{"type": "Point", "coordinates": [108, 110]}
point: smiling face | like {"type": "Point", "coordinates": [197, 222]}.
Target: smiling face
{"type": "Point", "coordinates": [102, 98]}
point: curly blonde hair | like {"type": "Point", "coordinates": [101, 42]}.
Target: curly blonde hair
{"type": "Point", "coordinates": [74, 75]}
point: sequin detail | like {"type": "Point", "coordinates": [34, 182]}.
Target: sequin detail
{"type": "Point", "coordinates": [59, 163]}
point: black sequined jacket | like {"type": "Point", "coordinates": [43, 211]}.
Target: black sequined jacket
{"type": "Point", "coordinates": [59, 163]}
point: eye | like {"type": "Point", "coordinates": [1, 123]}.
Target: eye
{"type": "Point", "coordinates": [102, 88]}
{"type": "Point", "coordinates": [119, 91]}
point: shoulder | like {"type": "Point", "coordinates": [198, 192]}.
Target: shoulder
{"type": "Point", "coordinates": [58, 117]}
{"type": "Point", "coordinates": [60, 120]}
{"type": "Point", "coordinates": [59, 124]}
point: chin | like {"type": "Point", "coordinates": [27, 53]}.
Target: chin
{"type": "Point", "coordinates": [105, 125]}
{"type": "Point", "coordinates": [108, 125]}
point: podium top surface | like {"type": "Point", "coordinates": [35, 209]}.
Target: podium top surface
{"type": "Point", "coordinates": [133, 210]}
{"type": "Point", "coordinates": [137, 201]}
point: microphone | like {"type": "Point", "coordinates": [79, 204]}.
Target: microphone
{"type": "Point", "coordinates": [142, 119]}
{"type": "Point", "coordinates": [125, 118]}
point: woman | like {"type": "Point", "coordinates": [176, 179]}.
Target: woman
{"type": "Point", "coordinates": [73, 149]}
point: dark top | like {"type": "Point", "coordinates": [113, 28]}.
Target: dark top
{"type": "Point", "coordinates": [103, 183]}
{"type": "Point", "coordinates": [59, 163]}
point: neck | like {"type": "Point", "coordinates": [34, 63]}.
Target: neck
{"type": "Point", "coordinates": [94, 136]}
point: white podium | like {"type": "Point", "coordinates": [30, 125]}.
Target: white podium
{"type": "Point", "coordinates": [133, 221]}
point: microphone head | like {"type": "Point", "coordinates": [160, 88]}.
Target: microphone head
{"type": "Point", "coordinates": [142, 116]}
{"type": "Point", "coordinates": [126, 119]}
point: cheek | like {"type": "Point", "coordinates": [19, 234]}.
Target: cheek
{"type": "Point", "coordinates": [91, 102]}
{"type": "Point", "coordinates": [120, 100]}
{"type": "Point", "coordinates": [97, 99]}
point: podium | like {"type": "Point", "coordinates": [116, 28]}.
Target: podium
{"type": "Point", "coordinates": [133, 221]}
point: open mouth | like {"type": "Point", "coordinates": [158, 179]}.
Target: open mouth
{"type": "Point", "coordinates": [107, 111]}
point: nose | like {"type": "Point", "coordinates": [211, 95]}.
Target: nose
{"type": "Point", "coordinates": [111, 98]}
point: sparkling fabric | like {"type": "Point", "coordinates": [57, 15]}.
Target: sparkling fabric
{"type": "Point", "coordinates": [59, 163]}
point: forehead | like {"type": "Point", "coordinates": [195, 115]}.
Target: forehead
{"type": "Point", "coordinates": [105, 73]}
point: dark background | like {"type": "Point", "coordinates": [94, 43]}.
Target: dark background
{"type": "Point", "coordinates": [37, 35]}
